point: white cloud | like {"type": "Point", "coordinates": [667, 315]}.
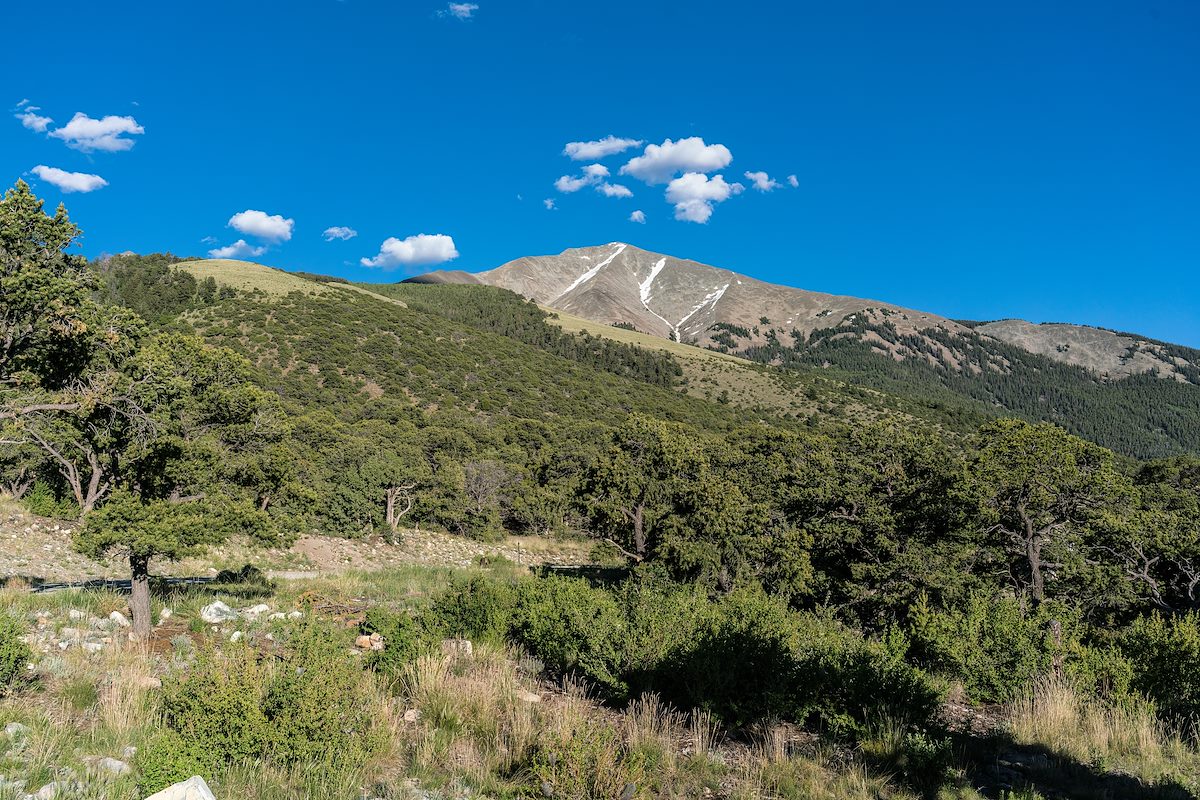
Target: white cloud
{"type": "Point", "coordinates": [107, 134]}
{"type": "Point", "coordinates": [414, 250]}
{"type": "Point", "coordinates": [209, 240]}
{"type": "Point", "coordinates": [614, 190]}
{"type": "Point", "coordinates": [762, 181]}
{"type": "Point", "coordinates": [659, 163]}
{"type": "Point", "coordinates": [272, 227]}
{"type": "Point", "coordinates": [459, 10]}
{"type": "Point", "coordinates": [32, 121]}
{"type": "Point", "coordinates": [548, 203]}
{"type": "Point", "coordinates": [638, 216]}
{"type": "Point", "coordinates": [69, 181]}
{"type": "Point", "coordinates": [24, 102]}
{"type": "Point", "coordinates": [592, 175]}
{"type": "Point", "coordinates": [694, 194]}
{"type": "Point", "coordinates": [590, 151]}
{"type": "Point", "coordinates": [339, 232]}
{"type": "Point", "coordinates": [239, 249]}
{"type": "Point", "coordinates": [793, 181]}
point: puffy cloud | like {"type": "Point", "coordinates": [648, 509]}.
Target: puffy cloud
{"type": "Point", "coordinates": [793, 181]}
{"type": "Point", "coordinates": [459, 10]}
{"type": "Point", "coordinates": [638, 216]}
{"type": "Point", "coordinates": [32, 121]}
{"type": "Point", "coordinates": [339, 232]}
{"type": "Point", "coordinates": [660, 162]}
{"type": "Point", "coordinates": [694, 194]}
{"type": "Point", "coordinates": [548, 203]}
{"type": "Point", "coordinates": [590, 151]}
{"type": "Point", "coordinates": [614, 190]}
{"type": "Point", "coordinates": [414, 250]}
{"type": "Point", "coordinates": [239, 249]}
{"type": "Point", "coordinates": [762, 181]}
{"type": "Point", "coordinates": [69, 181]}
{"type": "Point", "coordinates": [592, 175]}
{"type": "Point", "coordinates": [107, 134]}
{"type": "Point", "coordinates": [272, 227]}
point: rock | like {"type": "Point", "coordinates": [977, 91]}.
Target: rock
{"type": "Point", "coordinates": [276, 615]}
{"type": "Point", "coordinates": [629, 791]}
{"type": "Point", "coordinates": [412, 715]}
{"type": "Point", "coordinates": [457, 647]}
{"type": "Point", "coordinates": [216, 613]}
{"type": "Point", "coordinates": [236, 636]}
{"type": "Point", "coordinates": [372, 642]}
{"type": "Point", "coordinates": [108, 765]}
{"type": "Point", "coordinates": [54, 789]}
{"type": "Point", "coordinates": [194, 788]}
{"type": "Point", "coordinates": [15, 730]}
{"type": "Point", "coordinates": [119, 619]}
{"type": "Point", "coordinates": [130, 752]}
{"type": "Point", "coordinates": [93, 647]}
{"type": "Point", "coordinates": [528, 697]}
{"type": "Point", "coordinates": [76, 614]}
{"type": "Point", "coordinates": [164, 615]}
{"type": "Point", "coordinates": [254, 612]}
{"type": "Point", "coordinates": [295, 615]}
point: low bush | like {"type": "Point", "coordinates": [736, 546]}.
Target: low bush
{"type": "Point", "coordinates": [1165, 652]}
{"type": "Point", "coordinates": [313, 705]}
{"type": "Point", "coordinates": [996, 646]}
{"type": "Point", "coordinates": [14, 653]}
{"type": "Point", "coordinates": [745, 657]}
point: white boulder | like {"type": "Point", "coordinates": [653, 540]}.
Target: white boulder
{"type": "Point", "coordinates": [194, 788]}
{"type": "Point", "coordinates": [217, 612]}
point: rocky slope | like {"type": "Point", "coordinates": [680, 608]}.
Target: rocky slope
{"type": "Point", "coordinates": [687, 301]}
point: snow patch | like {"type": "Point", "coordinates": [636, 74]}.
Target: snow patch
{"type": "Point", "coordinates": [644, 290]}
{"type": "Point", "coordinates": [710, 299]}
{"type": "Point", "coordinates": [591, 273]}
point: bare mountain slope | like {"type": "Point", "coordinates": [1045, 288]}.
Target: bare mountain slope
{"type": "Point", "coordinates": [696, 303]}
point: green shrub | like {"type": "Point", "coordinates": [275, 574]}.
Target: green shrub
{"type": "Point", "coordinates": [14, 653]}
{"type": "Point", "coordinates": [403, 639]}
{"type": "Point", "coordinates": [167, 758]}
{"type": "Point", "coordinates": [1165, 652]}
{"type": "Point", "coordinates": [42, 500]}
{"type": "Point", "coordinates": [478, 608]}
{"type": "Point", "coordinates": [312, 706]}
{"type": "Point", "coordinates": [573, 627]}
{"type": "Point", "coordinates": [995, 646]}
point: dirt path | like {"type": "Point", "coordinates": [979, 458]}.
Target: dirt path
{"type": "Point", "coordinates": [38, 550]}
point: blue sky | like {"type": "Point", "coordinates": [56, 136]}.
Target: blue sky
{"type": "Point", "coordinates": [979, 160]}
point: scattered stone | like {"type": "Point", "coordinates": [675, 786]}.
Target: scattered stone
{"type": "Point", "coordinates": [372, 642]}
{"type": "Point", "coordinates": [276, 615]}
{"type": "Point", "coordinates": [93, 647]}
{"type": "Point", "coordinates": [54, 789]}
{"type": "Point", "coordinates": [194, 788]}
{"type": "Point", "coordinates": [164, 615]}
{"type": "Point", "coordinates": [130, 752]}
{"type": "Point", "coordinates": [119, 619]}
{"type": "Point", "coordinates": [457, 647]}
{"type": "Point", "coordinates": [254, 612]}
{"type": "Point", "coordinates": [217, 612]}
{"type": "Point", "coordinates": [412, 715]}
{"type": "Point", "coordinates": [629, 791]}
{"type": "Point", "coordinates": [107, 765]}
{"type": "Point", "coordinates": [295, 615]}
{"type": "Point", "coordinates": [76, 614]}
{"type": "Point", "coordinates": [236, 636]}
{"type": "Point", "coordinates": [15, 730]}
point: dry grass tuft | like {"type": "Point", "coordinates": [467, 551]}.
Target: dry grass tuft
{"type": "Point", "coordinates": [1127, 737]}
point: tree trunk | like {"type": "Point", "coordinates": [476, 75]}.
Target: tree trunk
{"type": "Point", "coordinates": [1037, 583]}
{"type": "Point", "coordinates": [139, 595]}
{"type": "Point", "coordinates": [639, 530]}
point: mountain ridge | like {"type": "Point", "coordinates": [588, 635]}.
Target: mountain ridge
{"type": "Point", "coordinates": [686, 300]}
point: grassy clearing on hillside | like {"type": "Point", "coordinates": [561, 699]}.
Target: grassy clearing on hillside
{"type": "Point", "coordinates": [248, 276]}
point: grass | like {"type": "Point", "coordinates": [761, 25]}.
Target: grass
{"type": "Point", "coordinates": [493, 724]}
{"type": "Point", "coordinates": [1124, 738]}
{"type": "Point", "coordinates": [248, 276]}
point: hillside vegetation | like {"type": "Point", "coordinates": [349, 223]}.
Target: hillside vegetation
{"type": "Point", "coordinates": [825, 602]}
